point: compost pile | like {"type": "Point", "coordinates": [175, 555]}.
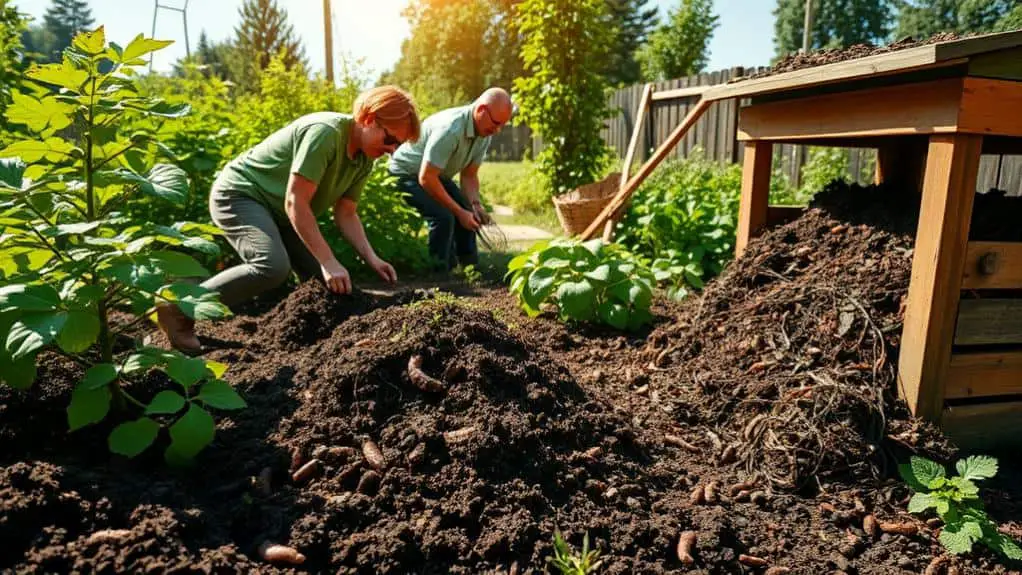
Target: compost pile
{"type": "Point", "coordinates": [790, 357]}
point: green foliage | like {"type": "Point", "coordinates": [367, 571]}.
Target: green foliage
{"type": "Point", "coordinates": [632, 21]}
{"type": "Point", "coordinates": [564, 96]}
{"type": "Point", "coordinates": [835, 24]}
{"type": "Point", "coordinates": [518, 185]}
{"type": "Point", "coordinates": [565, 560]}
{"type": "Point", "coordinates": [69, 254]}
{"type": "Point", "coordinates": [11, 26]}
{"type": "Point", "coordinates": [63, 21]}
{"type": "Point", "coordinates": [923, 18]}
{"type": "Point", "coordinates": [682, 221]}
{"type": "Point", "coordinates": [1012, 20]}
{"type": "Point", "coordinates": [956, 500]}
{"type": "Point", "coordinates": [263, 34]}
{"type": "Point", "coordinates": [680, 47]}
{"type": "Point", "coordinates": [587, 282]}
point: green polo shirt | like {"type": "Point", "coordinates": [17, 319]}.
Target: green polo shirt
{"type": "Point", "coordinates": [314, 146]}
{"type": "Point", "coordinates": [447, 140]}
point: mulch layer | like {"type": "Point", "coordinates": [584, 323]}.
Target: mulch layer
{"type": "Point", "coordinates": [780, 377]}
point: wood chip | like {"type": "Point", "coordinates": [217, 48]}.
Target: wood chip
{"type": "Point", "coordinates": [459, 435]}
{"type": "Point", "coordinates": [934, 568]}
{"type": "Point", "coordinates": [741, 486]}
{"type": "Point", "coordinates": [280, 554]}
{"type": "Point", "coordinates": [108, 536]}
{"type": "Point", "coordinates": [417, 454]}
{"type": "Point", "coordinates": [752, 561]}
{"type": "Point", "coordinates": [869, 525]}
{"type": "Point", "coordinates": [373, 455]}
{"type": "Point", "coordinates": [777, 570]}
{"type": "Point", "coordinates": [729, 454]}
{"type": "Point", "coordinates": [899, 528]}
{"type": "Point", "coordinates": [593, 452]}
{"type": "Point", "coordinates": [686, 543]}
{"type": "Point", "coordinates": [364, 342]}
{"type": "Point", "coordinates": [368, 483]}
{"type": "Point", "coordinates": [698, 495]}
{"type": "Point", "coordinates": [306, 472]}
{"type": "Point", "coordinates": [679, 442]}
{"type": "Point", "coordinates": [711, 492]}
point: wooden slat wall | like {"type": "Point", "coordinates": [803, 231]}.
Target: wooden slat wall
{"type": "Point", "coordinates": [715, 135]}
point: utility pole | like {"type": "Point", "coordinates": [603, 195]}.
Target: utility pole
{"type": "Point", "coordinates": [184, 18]}
{"type": "Point", "coordinates": [807, 32]}
{"type": "Point", "coordinates": [329, 36]}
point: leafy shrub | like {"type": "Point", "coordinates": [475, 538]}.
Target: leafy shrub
{"type": "Point", "coordinates": [682, 221]}
{"type": "Point", "coordinates": [69, 256]}
{"type": "Point", "coordinates": [589, 282]}
{"type": "Point", "coordinates": [956, 500]}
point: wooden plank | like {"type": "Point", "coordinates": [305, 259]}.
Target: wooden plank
{"type": "Point", "coordinates": [679, 93]}
{"type": "Point", "coordinates": [980, 44]}
{"type": "Point", "coordinates": [1003, 64]}
{"type": "Point", "coordinates": [780, 215]}
{"type": "Point", "coordinates": [622, 196]}
{"type": "Point", "coordinates": [752, 211]}
{"type": "Point", "coordinates": [984, 375]}
{"type": "Point", "coordinates": [993, 265]}
{"type": "Point", "coordinates": [991, 107]}
{"type": "Point", "coordinates": [937, 267]}
{"type": "Point", "coordinates": [983, 426]}
{"type": "Point", "coordinates": [626, 167]}
{"type": "Point", "coordinates": [989, 321]}
{"type": "Point", "coordinates": [911, 109]}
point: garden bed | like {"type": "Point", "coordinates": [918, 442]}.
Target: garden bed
{"type": "Point", "coordinates": [542, 426]}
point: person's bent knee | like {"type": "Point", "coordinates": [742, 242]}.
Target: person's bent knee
{"type": "Point", "coordinates": [272, 273]}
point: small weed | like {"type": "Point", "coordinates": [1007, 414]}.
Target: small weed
{"type": "Point", "coordinates": [570, 564]}
{"type": "Point", "coordinates": [472, 275]}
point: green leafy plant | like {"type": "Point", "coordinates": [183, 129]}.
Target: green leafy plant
{"type": "Point", "coordinates": [587, 281]}
{"type": "Point", "coordinates": [568, 563]}
{"type": "Point", "coordinates": [956, 500]}
{"type": "Point", "coordinates": [69, 257]}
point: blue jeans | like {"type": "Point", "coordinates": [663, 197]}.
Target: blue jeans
{"type": "Point", "coordinates": [449, 243]}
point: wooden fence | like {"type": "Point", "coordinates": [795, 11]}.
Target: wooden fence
{"type": "Point", "coordinates": [716, 135]}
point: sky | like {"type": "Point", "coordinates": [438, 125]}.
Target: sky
{"type": "Point", "coordinates": [374, 35]}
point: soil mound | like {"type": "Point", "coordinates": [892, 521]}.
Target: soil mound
{"type": "Point", "coordinates": [309, 314]}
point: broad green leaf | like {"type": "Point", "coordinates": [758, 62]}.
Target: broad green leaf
{"type": "Point", "coordinates": [221, 395]}
{"type": "Point", "coordinates": [88, 406]}
{"type": "Point", "coordinates": [64, 75]}
{"type": "Point", "coordinates": [973, 529]}
{"type": "Point", "coordinates": [165, 402]}
{"type": "Point", "coordinates": [594, 246]}
{"type": "Point", "coordinates": [161, 108]}
{"type": "Point", "coordinates": [556, 263]}
{"type": "Point", "coordinates": [146, 358]}
{"type": "Point", "coordinates": [600, 274]}
{"type": "Point", "coordinates": [216, 368]}
{"type": "Point", "coordinates": [190, 435]}
{"type": "Point", "coordinates": [177, 264]}
{"type": "Point", "coordinates": [38, 115]}
{"type": "Point", "coordinates": [639, 318]}
{"type": "Point", "coordinates": [977, 467]}
{"type": "Point", "coordinates": [518, 262]}
{"type": "Point", "coordinates": [98, 376]}
{"type": "Point", "coordinates": [1007, 547]}
{"type": "Point", "coordinates": [141, 46]}
{"type": "Point", "coordinates": [921, 502]}
{"type": "Point", "coordinates": [187, 371]}
{"type": "Point", "coordinates": [195, 301]}
{"type": "Point", "coordinates": [925, 471]}
{"type": "Point", "coordinates": [133, 437]}
{"type": "Point", "coordinates": [91, 43]}
{"type": "Point", "coordinates": [966, 486]}
{"type": "Point", "coordinates": [72, 229]}
{"type": "Point", "coordinates": [19, 374]}
{"type": "Point", "coordinates": [12, 171]}
{"type": "Point", "coordinates": [956, 541]}
{"type": "Point", "coordinates": [31, 151]}
{"type": "Point", "coordinates": [32, 331]}
{"type": "Point", "coordinates": [908, 474]}
{"type": "Point", "coordinates": [614, 314]}
{"type": "Point", "coordinates": [539, 285]}
{"type": "Point", "coordinates": [79, 332]}
{"type": "Point", "coordinates": [138, 273]}
{"type": "Point", "coordinates": [20, 260]}
{"type": "Point", "coordinates": [577, 300]}
{"type": "Point", "coordinates": [29, 297]}
{"type": "Point", "coordinates": [168, 182]}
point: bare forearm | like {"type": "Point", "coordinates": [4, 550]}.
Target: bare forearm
{"type": "Point", "coordinates": [470, 187]}
{"type": "Point", "coordinates": [305, 225]}
{"type": "Point", "coordinates": [350, 226]}
{"type": "Point", "coordinates": [435, 189]}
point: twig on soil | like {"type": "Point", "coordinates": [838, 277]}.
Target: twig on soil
{"type": "Point", "coordinates": [686, 542]}
{"type": "Point", "coordinates": [752, 561]}
{"type": "Point", "coordinates": [899, 528]}
{"type": "Point", "coordinates": [679, 442]}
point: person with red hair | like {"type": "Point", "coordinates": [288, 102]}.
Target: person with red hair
{"type": "Point", "coordinates": [267, 199]}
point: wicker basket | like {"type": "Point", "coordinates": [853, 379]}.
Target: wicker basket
{"type": "Point", "coordinates": [578, 208]}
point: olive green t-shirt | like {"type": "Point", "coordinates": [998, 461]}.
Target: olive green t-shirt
{"type": "Point", "coordinates": [315, 146]}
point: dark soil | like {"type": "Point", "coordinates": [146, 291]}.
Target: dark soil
{"type": "Point", "coordinates": [541, 426]}
{"type": "Point", "coordinates": [799, 60]}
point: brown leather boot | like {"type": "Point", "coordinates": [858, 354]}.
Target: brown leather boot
{"type": "Point", "coordinates": [179, 328]}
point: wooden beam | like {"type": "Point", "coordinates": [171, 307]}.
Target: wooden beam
{"type": "Point", "coordinates": [901, 162]}
{"type": "Point", "coordinates": [983, 426]}
{"type": "Point", "coordinates": [991, 107]}
{"type": "Point", "coordinates": [981, 44]}
{"type": "Point", "coordinates": [658, 156]}
{"type": "Point", "coordinates": [984, 375]}
{"type": "Point", "coordinates": [753, 209]}
{"type": "Point", "coordinates": [626, 169]}
{"type": "Point", "coordinates": [952, 163]}
{"type": "Point", "coordinates": [780, 215]}
{"type": "Point", "coordinates": [989, 321]}
{"type": "Point", "coordinates": [1004, 64]}
{"type": "Point", "coordinates": [903, 110]}
{"type": "Point", "coordinates": [679, 93]}
{"type": "Point", "coordinates": [993, 265]}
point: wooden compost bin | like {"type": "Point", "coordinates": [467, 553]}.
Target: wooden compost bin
{"type": "Point", "coordinates": [930, 112]}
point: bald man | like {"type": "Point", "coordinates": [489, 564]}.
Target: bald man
{"type": "Point", "coordinates": [453, 142]}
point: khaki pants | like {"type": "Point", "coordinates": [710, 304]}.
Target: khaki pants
{"type": "Point", "coordinates": [269, 249]}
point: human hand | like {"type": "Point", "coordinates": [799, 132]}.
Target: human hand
{"type": "Point", "coordinates": [384, 270]}
{"type": "Point", "coordinates": [481, 215]}
{"type": "Point", "coordinates": [468, 220]}
{"type": "Point", "coordinates": [336, 277]}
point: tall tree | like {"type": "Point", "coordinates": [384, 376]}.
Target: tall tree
{"type": "Point", "coordinates": [923, 18]}
{"type": "Point", "coordinates": [64, 19]}
{"type": "Point", "coordinates": [632, 21]}
{"type": "Point", "coordinates": [264, 32]}
{"type": "Point", "coordinates": [563, 97]}
{"type": "Point", "coordinates": [836, 23]}
{"type": "Point", "coordinates": [11, 25]}
{"type": "Point", "coordinates": [1012, 20]}
{"type": "Point", "coordinates": [681, 46]}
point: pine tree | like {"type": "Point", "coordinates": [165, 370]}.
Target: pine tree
{"type": "Point", "coordinates": [680, 47]}
{"type": "Point", "coordinates": [835, 24]}
{"type": "Point", "coordinates": [263, 33]}
{"type": "Point", "coordinates": [64, 19]}
{"type": "Point", "coordinates": [632, 21]}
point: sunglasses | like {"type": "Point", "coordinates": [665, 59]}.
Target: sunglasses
{"type": "Point", "coordinates": [388, 138]}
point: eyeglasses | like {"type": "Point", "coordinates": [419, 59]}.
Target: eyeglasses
{"type": "Point", "coordinates": [388, 138]}
{"type": "Point", "coordinates": [490, 116]}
